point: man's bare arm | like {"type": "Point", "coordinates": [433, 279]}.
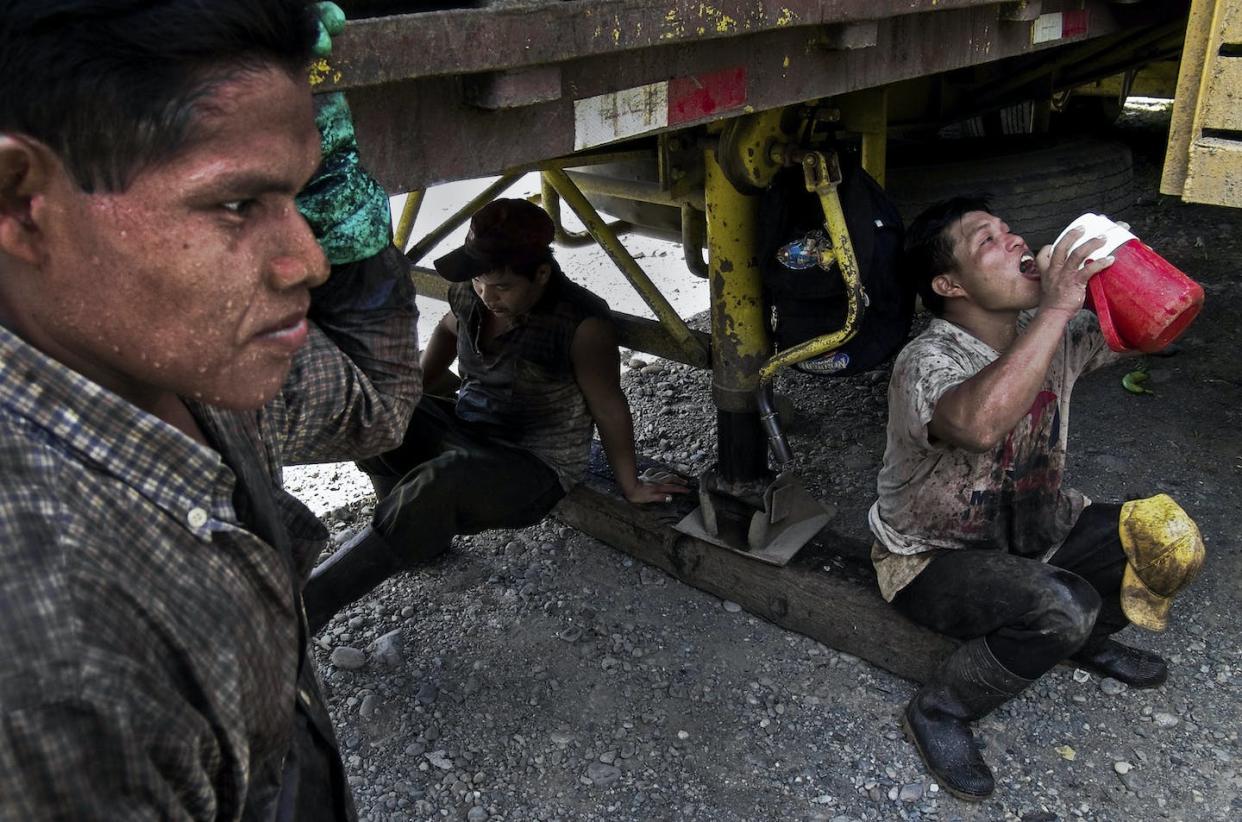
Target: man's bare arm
{"type": "Point", "coordinates": [978, 413]}
{"type": "Point", "coordinates": [441, 350]}
{"type": "Point", "coordinates": [597, 372]}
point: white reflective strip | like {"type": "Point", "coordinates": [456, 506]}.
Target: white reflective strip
{"type": "Point", "coordinates": [1047, 27]}
{"type": "Point", "coordinates": [611, 117]}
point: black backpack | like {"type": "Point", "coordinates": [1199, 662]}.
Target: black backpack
{"type": "Point", "coordinates": [808, 302]}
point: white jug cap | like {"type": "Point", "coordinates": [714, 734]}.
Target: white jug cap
{"type": "Point", "coordinates": [1097, 225]}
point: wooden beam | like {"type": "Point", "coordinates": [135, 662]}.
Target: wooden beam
{"type": "Point", "coordinates": [840, 607]}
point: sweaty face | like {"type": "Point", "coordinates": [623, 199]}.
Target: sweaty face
{"type": "Point", "coordinates": [994, 266]}
{"type": "Point", "coordinates": [195, 280]}
{"type": "Point", "coordinates": [507, 294]}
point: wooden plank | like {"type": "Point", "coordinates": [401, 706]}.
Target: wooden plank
{"type": "Point", "coordinates": [835, 602]}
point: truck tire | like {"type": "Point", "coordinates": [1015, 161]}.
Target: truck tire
{"type": "Point", "coordinates": [1037, 189]}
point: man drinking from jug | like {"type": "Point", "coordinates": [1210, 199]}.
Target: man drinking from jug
{"type": "Point", "coordinates": [976, 536]}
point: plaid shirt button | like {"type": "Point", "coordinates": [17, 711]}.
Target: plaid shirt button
{"type": "Point", "coordinates": [197, 518]}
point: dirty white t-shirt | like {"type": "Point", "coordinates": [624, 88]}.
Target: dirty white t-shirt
{"type": "Point", "coordinates": [934, 497]}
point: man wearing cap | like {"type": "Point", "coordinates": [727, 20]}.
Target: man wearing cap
{"type": "Point", "coordinates": [539, 368]}
{"type": "Point", "coordinates": [976, 535]}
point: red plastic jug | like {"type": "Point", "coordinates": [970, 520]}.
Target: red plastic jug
{"type": "Point", "coordinates": [1143, 301]}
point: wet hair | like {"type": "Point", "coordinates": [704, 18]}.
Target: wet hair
{"type": "Point", "coordinates": [114, 87]}
{"type": "Point", "coordinates": [929, 245]}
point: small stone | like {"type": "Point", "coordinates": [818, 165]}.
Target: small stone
{"type": "Point", "coordinates": [651, 370]}
{"type": "Point", "coordinates": [911, 793]}
{"type": "Point", "coordinates": [476, 814]}
{"type": "Point", "coordinates": [683, 735]}
{"type": "Point", "coordinates": [823, 799]}
{"type": "Point", "coordinates": [562, 738]}
{"type": "Point", "coordinates": [571, 634]}
{"type": "Point", "coordinates": [440, 760]}
{"type": "Point", "coordinates": [601, 775]}
{"type": "Point", "coordinates": [651, 576]}
{"type": "Point", "coordinates": [1164, 719]}
{"type": "Point", "coordinates": [1080, 675]}
{"type": "Point", "coordinates": [1112, 687]}
{"type": "Point", "coordinates": [370, 706]}
{"type": "Point", "coordinates": [347, 658]}
{"type": "Point", "coordinates": [389, 648]}
{"type": "Point", "coordinates": [731, 606]}
{"type": "Point", "coordinates": [427, 693]}
{"type": "Point", "coordinates": [637, 364]}
{"type": "Point", "coordinates": [1122, 768]}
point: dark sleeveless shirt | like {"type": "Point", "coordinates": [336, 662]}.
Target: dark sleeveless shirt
{"type": "Point", "coordinates": [525, 393]}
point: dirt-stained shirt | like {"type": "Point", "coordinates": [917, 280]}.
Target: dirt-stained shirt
{"type": "Point", "coordinates": [525, 393]}
{"type": "Point", "coordinates": [154, 662]}
{"type": "Point", "coordinates": [934, 497]}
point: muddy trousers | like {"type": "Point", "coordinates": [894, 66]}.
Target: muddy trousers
{"type": "Point", "coordinates": [443, 480]}
{"type": "Point", "coordinates": [447, 478]}
{"type": "Point", "coordinates": [1031, 614]}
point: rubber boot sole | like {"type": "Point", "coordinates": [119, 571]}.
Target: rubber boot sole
{"type": "Point", "coordinates": [963, 795]}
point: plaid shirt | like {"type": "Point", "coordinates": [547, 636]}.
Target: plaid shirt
{"type": "Point", "coordinates": [154, 659]}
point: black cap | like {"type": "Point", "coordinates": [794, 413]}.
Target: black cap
{"type": "Point", "coordinates": [506, 232]}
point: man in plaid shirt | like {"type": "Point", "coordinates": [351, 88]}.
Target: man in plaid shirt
{"type": "Point", "coordinates": [171, 334]}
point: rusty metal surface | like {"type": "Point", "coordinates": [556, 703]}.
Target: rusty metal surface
{"type": "Point", "coordinates": [467, 41]}
{"type": "Point", "coordinates": [423, 131]}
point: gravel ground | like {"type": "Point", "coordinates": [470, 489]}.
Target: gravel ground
{"type": "Point", "coordinates": [539, 674]}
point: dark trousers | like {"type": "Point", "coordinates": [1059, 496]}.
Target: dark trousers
{"type": "Point", "coordinates": [1032, 614]}
{"type": "Point", "coordinates": [447, 478]}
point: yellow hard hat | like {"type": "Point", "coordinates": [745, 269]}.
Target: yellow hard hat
{"type": "Point", "coordinates": [1164, 551]}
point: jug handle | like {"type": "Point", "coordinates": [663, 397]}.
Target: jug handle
{"type": "Point", "coordinates": [1099, 303]}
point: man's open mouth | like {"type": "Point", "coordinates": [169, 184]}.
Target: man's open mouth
{"type": "Point", "coordinates": [1027, 267]}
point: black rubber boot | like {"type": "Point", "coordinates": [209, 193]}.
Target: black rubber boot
{"type": "Point", "coordinates": [969, 685]}
{"type": "Point", "coordinates": [349, 574]}
{"type": "Point", "coordinates": [1135, 667]}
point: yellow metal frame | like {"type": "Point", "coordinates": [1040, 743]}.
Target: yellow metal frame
{"type": "Point", "coordinates": [616, 251]}
{"type": "Point", "coordinates": [1204, 159]}
{"type": "Point", "coordinates": [409, 213]}
{"type": "Point", "coordinates": [739, 350]}
{"type": "Point", "coordinates": [739, 331]}
{"type": "Point", "coordinates": [461, 215]}
{"type": "Point", "coordinates": [823, 181]}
